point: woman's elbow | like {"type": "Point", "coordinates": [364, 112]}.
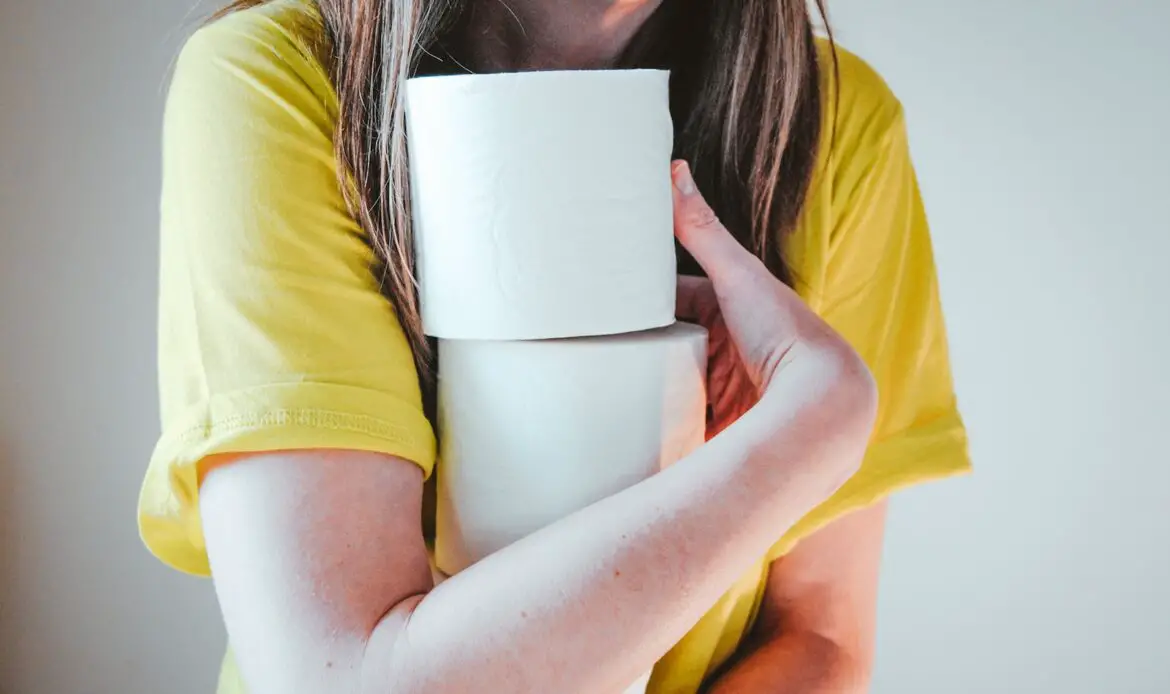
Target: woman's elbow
{"type": "Point", "coordinates": [848, 672]}
{"type": "Point", "coordinates": [836, 668]}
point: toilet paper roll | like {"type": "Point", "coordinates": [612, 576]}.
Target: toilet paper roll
{"type": "Point", "coordinates": [532, 431]}
{"type": "Point", "coordinates": [541, 203]}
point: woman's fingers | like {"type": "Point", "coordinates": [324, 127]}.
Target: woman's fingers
{"type": "Point", "coordinates": [702, 234]}
{"type": "Point", "coordinates": [694, 299]}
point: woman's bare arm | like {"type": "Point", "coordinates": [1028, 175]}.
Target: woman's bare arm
{"type": "Point", "coordinates": [815, 633]}
{"type": "Point", "coordinates": [324, 583]}
{"type": "Point", "coordinates": [322, 572]}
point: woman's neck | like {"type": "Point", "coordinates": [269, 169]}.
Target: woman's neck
{"type": "Point", "coordinates": [514, 35]}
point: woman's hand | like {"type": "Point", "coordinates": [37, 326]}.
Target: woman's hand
{"type": "Point", "coordinates": [731, 391]}
{"type": "Point", "coordinates": [758, 327]}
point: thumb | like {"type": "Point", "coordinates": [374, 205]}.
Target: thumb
{"type": "Point", "coordinates": [699, 230]}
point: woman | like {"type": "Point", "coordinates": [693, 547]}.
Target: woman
{"type": "Point", "coordinates": [295, 444]}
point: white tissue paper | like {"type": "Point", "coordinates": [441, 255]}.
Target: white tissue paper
{"type": "Point", "coordinates": [532, 431]}
{"type": "Point", "coordinates": [542, 203]}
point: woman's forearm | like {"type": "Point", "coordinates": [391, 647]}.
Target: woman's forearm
{"type": "Point", "coordinates": [590, 602]}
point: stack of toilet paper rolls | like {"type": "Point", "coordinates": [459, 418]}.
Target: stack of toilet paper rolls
{"type": "Point", "coordinates": [545, 253]}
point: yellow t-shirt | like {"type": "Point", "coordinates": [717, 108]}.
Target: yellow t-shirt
{"type": "Point", "coordinates": [273, 333]}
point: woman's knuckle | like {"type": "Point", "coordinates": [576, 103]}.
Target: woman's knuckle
{"type": "Point", "coordinates": [701, 216]}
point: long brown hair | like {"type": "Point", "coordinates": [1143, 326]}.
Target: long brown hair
{"type": "Point", "coordinates": [745, 97]}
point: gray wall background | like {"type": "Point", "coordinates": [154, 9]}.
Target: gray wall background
{"type": "Point", "coordinates": [1039, 132]}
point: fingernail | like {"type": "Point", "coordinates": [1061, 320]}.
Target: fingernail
{"type": "Point", "coordinates": [681, 173]}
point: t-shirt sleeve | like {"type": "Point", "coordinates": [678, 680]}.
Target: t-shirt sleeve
{"type": "Point", "coordinates": [881, 293]}
{"type": "Point", "coordinates": [273, 334]}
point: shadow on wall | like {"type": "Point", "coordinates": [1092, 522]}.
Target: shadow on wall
{"type": "Point", "coordinates": [8, 556]}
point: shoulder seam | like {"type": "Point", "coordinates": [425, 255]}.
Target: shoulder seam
{"type": "Point", "coordinates": [257, 26]}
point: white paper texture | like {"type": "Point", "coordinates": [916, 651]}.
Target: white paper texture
{"type": "Point", "coordinates": [542, 203]}
{"type": "Point", "coordinates": [532, 431]}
